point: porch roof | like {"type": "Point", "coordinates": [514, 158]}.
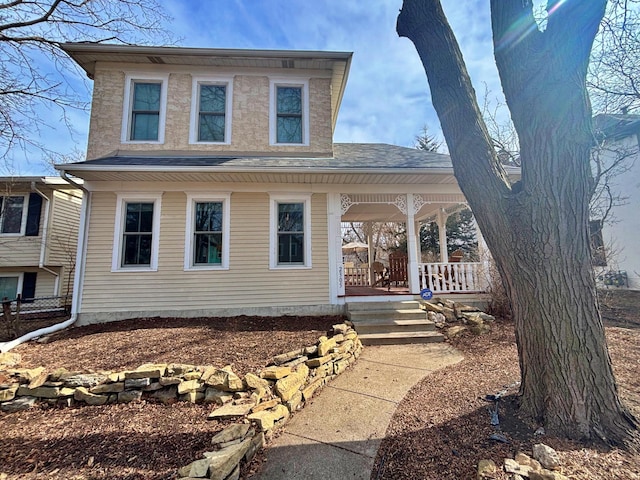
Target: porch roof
{"type": "Point", "coordinates": [351, 163]}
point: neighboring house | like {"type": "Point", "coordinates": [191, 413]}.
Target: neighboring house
{"type": "Point", "coordinates": [39, 219]}
{"type": "Point", "coordinates": [214, 187]}
{"type": "Point", "coordinates": [619, 263]}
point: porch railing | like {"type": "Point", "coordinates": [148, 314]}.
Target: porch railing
{"type": "Point", "coordinates": [452, 277]}
{"type": "Point", "coordinates": [356, 276]}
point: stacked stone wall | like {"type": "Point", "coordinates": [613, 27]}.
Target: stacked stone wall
{"type": "Point", "coordinates": [258, 402]}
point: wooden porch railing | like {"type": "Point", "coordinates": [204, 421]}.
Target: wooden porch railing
{"type": "Point", "coordinates": [356, 276]}
{"type": "Point", "coordinates": [451, 277]}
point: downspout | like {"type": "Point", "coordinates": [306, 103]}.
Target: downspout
{"type": "Point", "coordinates": [82, 234]}
{"type": "Point", "coordinates": [43, 243]}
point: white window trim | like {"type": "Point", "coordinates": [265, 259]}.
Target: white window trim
{"type": "Point", "coordinates": [19, 275]}
{"type": "Point", "coordinates": [192, 198]}
{"type": "Point", "coordinates": [275, 82]}
{"type": "Point", "coordinates": [195, 100]}
{"type": "Point", "coordinates": [118, 231]}
{"type": "Point", "coordinates": [23, 221]}
{"type": "Point", "coordinates": [275, 199]}
{"type": "Point", "coordinates": [130, 78]}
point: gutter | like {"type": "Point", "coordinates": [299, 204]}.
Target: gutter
{"type": "Point", "coordinates": [79, 273]}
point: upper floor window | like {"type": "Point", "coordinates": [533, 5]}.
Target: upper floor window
{"type": "Point", "coordinates": [291, 231]}
{"type": "Point", "coordinates": [12, 214]}
{"type": "Point", "coordinates": [207, 242]}
{"type": "Point", "coordinates": [136, 235]}
{"type": "Point", "coordinates": [211, 110]}
{"type": "Point", "coordinates": [144, 108]}
{"type": "Point", "coordinates": [289, 112]}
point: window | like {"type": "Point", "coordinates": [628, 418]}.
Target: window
{"type": "Point", "coordinates": [136, 235]}
{"type": "Point", "coordinates": [291, 231]}
{"type": "Point", "coordinates": [12, 214]}
{"type": "Point", "coordinates": [208, 232]}
{"type": "Point", "coordinates": [210, 110]}
{"type": "Point", "coordinates": [289, 112]}
{"type": "Point", "coordinates": [9, 287]}
{"type": "Point", "coordinates": [144, 113]}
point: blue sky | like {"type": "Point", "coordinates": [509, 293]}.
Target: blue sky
{"type": "Point", "coordinates": [387, 98]}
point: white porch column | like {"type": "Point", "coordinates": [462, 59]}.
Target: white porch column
{"type": "Point", "coordinates": [485, 257]}
{"type": "Point", "coordinates": [412, 247]}
{"type": "Point", "coordinates": [370, 252]}
{"type": "Point", "coordinates": [441, 221]}
{"type": "Point", "coordinates": [417, 227]}
{"type": "Point", "coordinates": [336, 267]}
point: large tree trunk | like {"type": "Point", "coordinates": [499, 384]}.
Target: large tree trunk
{"type": "Point", "coordinates": [536, 229]}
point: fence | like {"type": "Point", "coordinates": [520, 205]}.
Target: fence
{"type": "Point", "coordinates": [37, 308]}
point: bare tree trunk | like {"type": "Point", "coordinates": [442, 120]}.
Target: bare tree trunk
{"type": "Point", "coordinates": [536, 229]}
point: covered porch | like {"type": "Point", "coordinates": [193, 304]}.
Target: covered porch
{"type": "Point", "coordinates": [405, 273]}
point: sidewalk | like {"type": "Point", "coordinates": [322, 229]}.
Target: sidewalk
{"type": "Point", "coordinates": [337, 434]}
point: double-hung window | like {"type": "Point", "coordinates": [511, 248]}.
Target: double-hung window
{"type": "Point", "coordinates": [10, 285]}
{"type": "Point", "coordinates": [136, 236]}
{"type": "Point", "coordinates": [12, 214]}
{"type": "Point", "coordinates": [207, 232]}
{"type": "Point", "coordinates": [289, 112]}
{"type": "Point", "coordinates": [144, 108]}
{"type": "Point", "coordinates": [290, 231]}
{"type": "Point", "coordinates": [211, 110]}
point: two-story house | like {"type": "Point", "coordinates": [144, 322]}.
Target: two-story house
{"type": "Point", "coordinates": [214, 186]}
{"type": "Point", "coordinates": [39, 219]}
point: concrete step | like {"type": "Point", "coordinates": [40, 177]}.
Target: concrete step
{"type": "Point", "coordinates": [398, 338]}
{"type": "Point", "coordinates": [390, 326]}
{"type": "Point", "coordinates": [405, 305]}
{"type": "Point", "coordinates": [377, 315]}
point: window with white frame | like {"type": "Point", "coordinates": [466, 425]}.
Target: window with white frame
{"type": "Point", "coordinates": [207, 233]}
{"type": "Point", "coordinates": [289, 114]}
{"type": "Point", "coordinates": [136, 236]}
{"type": "Point", "coordinates": [144, 108]}
{"type": "Point", "coordinates": [211, 110]}
{"type": "Point", "coordinates": [10, 285]}
{"type": "Point", "coordinates": [12, 214]}
{"type": "Point", "coordinates": [290, 231]}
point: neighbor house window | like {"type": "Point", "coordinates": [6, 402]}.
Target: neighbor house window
{"type": "Point", "coordinates": [12, 214]}
{"type": "Point", "coordinates": [289, 113]}
{"type": "Point", "coordinates": [145, 105]}
{"type": "Point", "coordinates": [208, 232]}
{"type": "Point", "coordinates": [136, 235]}
{"type": "Point", "coordinates": [211, 110]}
{"type": "Point", "coordinates": [9, 287]}
{"type": "Point", "coordinates": [291, 231]}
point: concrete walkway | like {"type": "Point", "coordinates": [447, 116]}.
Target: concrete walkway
{"type": "Point", "coordinates": [337, 434]}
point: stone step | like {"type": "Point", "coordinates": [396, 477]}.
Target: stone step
{"type": "Point", "coordinates": [388, 326]}
{"type": "Point", "coordinates": [405, 305]}
{"type": "Point", "coordinates": [381, 315]}
{"type": "Point", "coordinates": [397, 338]}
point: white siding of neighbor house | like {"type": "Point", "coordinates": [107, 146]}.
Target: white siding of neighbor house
{"type": "Point", "coordinates": [622, 230]}
{"type": "Point", "coordinates": [247, 283]}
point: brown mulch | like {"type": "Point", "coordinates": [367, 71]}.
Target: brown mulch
{"type": "Point", "coordinates": [441, 428]}
{"type": "Point", "coordinates": [142, 440]}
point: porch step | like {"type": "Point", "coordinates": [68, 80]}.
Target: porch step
{"type": "Point", "coordinates": [391, 323]}
{"type": "Point", "coordinates": [399, 338]}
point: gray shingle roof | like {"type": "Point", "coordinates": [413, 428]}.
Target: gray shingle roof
{"type": "Point", "coordinates": [347, 156]}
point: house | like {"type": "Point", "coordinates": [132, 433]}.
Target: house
{"type": "Point", "coordinates": [619, 262]}
{"type": "Point", "coordinates": [39, 218]}
{"type": "Point", "coordinates": [213, 187]}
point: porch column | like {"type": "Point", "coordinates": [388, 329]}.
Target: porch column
{"type": "Point", "coordinates": [485, 256]}
{"type": "Point", "coordinates": [441, 221]}
{"type": "Point", "coordinates": [336, 267]}
{"type": "Point", "coordinates": [370, 252]}
{"type": "Point", "coordinates": [412, 247]}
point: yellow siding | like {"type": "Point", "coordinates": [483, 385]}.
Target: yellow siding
{"type": "Point", "coordinates": [248, 282]}
{"type": "Point", "coordinates": [250, 116]}
{"type": "Point", "coordinates": [63, 235]}
{"type": "Point", "coordinates": [20, 250]}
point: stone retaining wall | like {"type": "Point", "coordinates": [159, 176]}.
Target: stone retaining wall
{"type": "Point", "coordinates": [260, 402]}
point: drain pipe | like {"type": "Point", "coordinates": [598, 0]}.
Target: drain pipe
{"type": "Point", "coordinates": [79, 273]}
